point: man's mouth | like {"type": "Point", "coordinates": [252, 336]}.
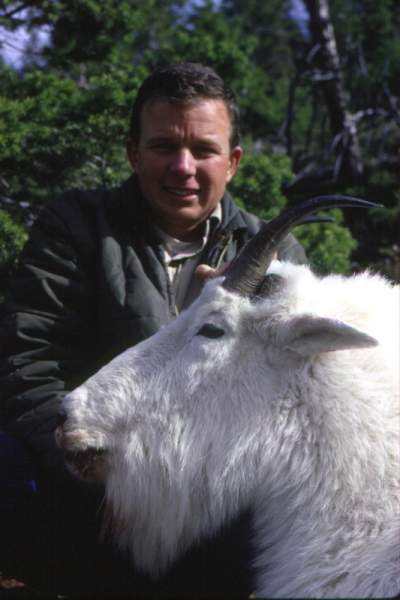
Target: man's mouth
{"type": "Point", "coordinates": [182, 192]}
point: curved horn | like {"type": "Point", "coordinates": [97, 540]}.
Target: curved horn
{"type": "Point", "coordinates": [247, 271]}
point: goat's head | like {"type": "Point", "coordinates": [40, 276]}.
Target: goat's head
{"type": "Point", "coordinates": [170, 423]}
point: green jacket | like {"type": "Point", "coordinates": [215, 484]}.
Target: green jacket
{"type": "Point", "coordinates": [91, 282]}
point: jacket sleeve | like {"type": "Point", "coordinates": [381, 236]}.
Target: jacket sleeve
{"type": "Point", "coordinates": [43, 335]}
{"type": "Point", "coordinates": [289, 249]}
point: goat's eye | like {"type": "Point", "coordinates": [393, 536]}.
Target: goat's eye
{"type": "Point", "coordinates": [211, 331]}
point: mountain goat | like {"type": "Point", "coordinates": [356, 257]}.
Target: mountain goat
{"type": "Point", "coordinates": [279, 393]}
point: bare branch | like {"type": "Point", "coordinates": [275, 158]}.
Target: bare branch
{"type": "Point", "coordinates": [14, 11]}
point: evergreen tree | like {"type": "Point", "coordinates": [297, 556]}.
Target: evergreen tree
{"type": "Point", "coordinates": [63, 119]}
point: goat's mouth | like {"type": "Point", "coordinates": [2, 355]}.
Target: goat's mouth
{"type": "Point", "coordinates": [86, 464]}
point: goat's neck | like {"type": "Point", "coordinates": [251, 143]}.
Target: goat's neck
{"type": "Point", "coordinates": [320, 505]}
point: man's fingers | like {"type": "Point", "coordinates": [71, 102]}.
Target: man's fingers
{"type": "Point", "coordinates": [204, 272]}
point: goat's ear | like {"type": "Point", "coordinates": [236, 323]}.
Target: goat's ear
{"type": "Point", "coordinates": [308, 335]}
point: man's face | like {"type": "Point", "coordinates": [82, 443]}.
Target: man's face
{"type": "Point", "coordinates": [183, 161]}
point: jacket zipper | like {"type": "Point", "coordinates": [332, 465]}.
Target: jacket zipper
{"type": "Point", "coordinates": [220, 249]}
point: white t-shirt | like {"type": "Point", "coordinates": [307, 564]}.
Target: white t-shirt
{"type": "Point", "coordinates": [181, 258]}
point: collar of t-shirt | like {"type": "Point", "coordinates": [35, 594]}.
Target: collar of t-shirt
{"type": "Point", "coordinates": [181, 258]}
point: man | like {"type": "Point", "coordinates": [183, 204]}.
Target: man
{"type": "Point", "coordinates": [103, 270]}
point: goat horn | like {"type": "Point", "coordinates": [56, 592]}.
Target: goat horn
{"type": "Point", "coordinates": [247, 271]}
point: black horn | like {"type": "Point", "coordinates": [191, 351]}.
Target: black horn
{"type": "Point", "coordinates": [247, 271]}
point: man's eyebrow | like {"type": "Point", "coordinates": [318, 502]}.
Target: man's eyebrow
{"type": "Point", "coordinates": [204, 141]}
{"type": "Point", "coordinates": [209, 141]}
{"type": "Point", "coordinates": [160, 138]}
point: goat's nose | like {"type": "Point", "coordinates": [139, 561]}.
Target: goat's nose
{"type": "Point", "coordinates": [61, 418]}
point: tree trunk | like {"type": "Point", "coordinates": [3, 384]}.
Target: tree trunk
{"type": "Point", "coordinates": [328, 77]}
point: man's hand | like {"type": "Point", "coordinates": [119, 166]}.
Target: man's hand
{"type": "Point", "coordinates": [204, 272]}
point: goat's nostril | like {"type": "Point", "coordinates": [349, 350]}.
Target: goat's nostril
{"type": "Point", "coordinates": [61, 418]}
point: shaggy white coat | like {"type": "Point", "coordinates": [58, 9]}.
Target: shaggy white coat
{"type": "Point", "coordinates": [293, 411]}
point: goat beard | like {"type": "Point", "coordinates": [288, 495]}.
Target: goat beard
{"type": "Point", "coordinates": [111, 524]}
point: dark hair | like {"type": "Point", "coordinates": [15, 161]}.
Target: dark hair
{"type": "Point", "coordinates": [183, 83]}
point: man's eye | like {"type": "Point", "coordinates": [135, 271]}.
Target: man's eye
{"type": "Point", "coordinates": [204, 151]}
{"type": "Point", "coordinates": [210, 331]}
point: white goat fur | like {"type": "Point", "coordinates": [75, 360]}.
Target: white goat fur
{"type": "Point", "coordinates": [293, 412]}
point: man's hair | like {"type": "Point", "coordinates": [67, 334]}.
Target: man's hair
{"type": "Point", "coordinates": [184, 83]}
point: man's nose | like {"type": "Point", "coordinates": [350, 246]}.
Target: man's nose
{"type": "Point", "coordinates": [183, 162]}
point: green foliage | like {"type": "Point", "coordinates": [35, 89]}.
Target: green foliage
{"type": "Point", "coordinates": [56, 134]}
{"type": "Point", "coordinates": [12, 238]}
{"type": "Point", "coordinates": [328, 245]}
{"type": "Point", "coordinates": [257, 187]}
{"type": "Point", "coordinates": [368, 34]}
{"type": "Point", "coordinates": [63, 119]}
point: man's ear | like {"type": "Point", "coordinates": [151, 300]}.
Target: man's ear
{"type": "Point", "coordinates": [131, 151]}
{"type": "Point", "coordinates": [308, 335]}
{"type": "Point", "coordinates": [235, 158]}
